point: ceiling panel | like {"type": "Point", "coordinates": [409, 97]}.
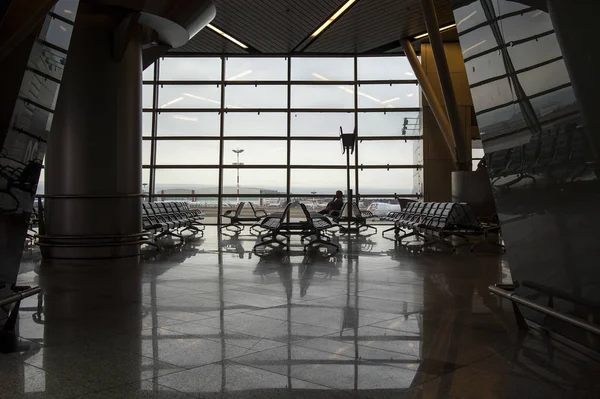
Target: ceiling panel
{"type": "Point", "coordinates": [207, 41]}
{"type": "Point", "coordinates": [279, 26]}
{"type": "Point", "coordinates": [371, 24]}
{"type": "Point", "coordinates": [271, 26]}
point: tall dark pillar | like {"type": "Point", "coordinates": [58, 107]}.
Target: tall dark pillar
{"type": "Point", "coordinates": [93, 162]}
{"type": "Point", "coordinates": [574, 26]}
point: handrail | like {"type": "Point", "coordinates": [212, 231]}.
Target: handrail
{"type": "Point", "coordinates": [513, 297]}
{"type": "Point", "coordinates": [20, 295]}
{"type": "Point", "coordinates": [562, 295]}
{"type": "Point", "coordinates": [91, 196]}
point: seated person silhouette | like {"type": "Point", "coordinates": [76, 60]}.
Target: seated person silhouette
{"type": "Point", "coordinates": [335, 204]}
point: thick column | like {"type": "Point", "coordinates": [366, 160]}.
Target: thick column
{"type": "Point", "coordinates": [439, 54]}
{"type": "Point", "coordinates": [93, 162]}
{"type": "Point", "coordinates": [574, 24]}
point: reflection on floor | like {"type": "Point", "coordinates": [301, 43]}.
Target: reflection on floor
{"type": "Point", "coordinates": [196, 321]}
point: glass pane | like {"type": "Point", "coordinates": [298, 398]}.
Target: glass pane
{"type": "Point", "coordinates": [147, 124]}
{"type": "Point", "coordinates": [147, 91]}
{"type": "Point", "coordinates": [320, 181]}
{"type": "Point", "coordinates": [537, 80]}
{"type": "Point", "coordinates": [188, 124]}
{"type": "Point", "coordinates": [477, 41]}
{"type": "Point", "coordinates": [67, 9]}
{"type": "Point", "coordinates": [255, 124]}
{"type": "Point", "coordinates": [267, 152]}
{"type": "Point", "coordinates": [148, 73]}
{"type": "Point", "coordinates": [50, 61]}
{"type": "Point", "coordinates": [469, 16]}
{"type": "Point", "coordinates": [323, 69]}
{"type": "Point", "coordinates": [177, 68]}
{"type": "Point", "coordinates": [486, 66]}
{"type": "Point", "coordinates": [527, 54]}
{"type": "Point", "coordinates": [384, 68]}
{"type": "Point", "coordinates": [256, 69]}
{"type": "Point", "coordinates": [388, 96]}
{"type": "Point", "coordinates": [146, 144]}
{"type": "Point", "coordinates": [202, 181]}
{"type": "Point", "coordinates": [322, 96]}
{"type": "Point", "coordinates": [254, 181]}
{"type": "Point", "coordinates": [172, 96]}
{"type": "Point", "coordinates": [477, 153]}
{"type": "Point", "coordinates": [58, 33]}
{"type": "Point", "coordinates": [388, 124]}
{"type": "Point", "coordinates": [492, 94]}
{"type": "Point", "coordinates": [323, 124]}
{"type": "Point", "coordinates": [145, 181]}
{"type": "Point", "coordinates": [187, 152]}
{"type": "Point", "coordinates": [383, 181]}
{"type": "Point", "coordinates": [525, 25]}
{"type": "Point", "coordinates": [387, 152]}
{"type": "Point", "coordinates": [256, 96]}
{"type": "Point", "coordinates": [318, 153]}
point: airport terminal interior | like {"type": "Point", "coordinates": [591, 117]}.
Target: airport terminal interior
{"type": "Point", "coordinates": [299, 199]}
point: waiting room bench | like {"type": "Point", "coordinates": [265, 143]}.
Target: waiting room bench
{"type": "Point", "coordinates": [237, 219]}
{"type": "Point", "coordinates": [279, 230]}
{"type": "Point", "coordinates": [170, 218]}
{"type": "Point", "coordinates": [358, 220]}
{"type": "Point", "coordinates": [433, 222]}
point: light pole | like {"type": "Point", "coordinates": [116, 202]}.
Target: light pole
{"type": "Point", "coordinates": [238, 151]}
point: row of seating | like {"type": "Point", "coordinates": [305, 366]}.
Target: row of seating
{"type": "Point", "coordinates": [170, 218]}
{"type": "Point", "coordinates": [433, 222]}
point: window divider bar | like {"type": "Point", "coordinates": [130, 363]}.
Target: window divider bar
{"type": "Point", "coordinates": [221, 143]}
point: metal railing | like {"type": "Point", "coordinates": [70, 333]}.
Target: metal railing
{"type": "Point", "coordinates": [507, 292]}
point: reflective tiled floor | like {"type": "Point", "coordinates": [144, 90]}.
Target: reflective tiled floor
{"type": "Point", "coordinates": [196, 321]}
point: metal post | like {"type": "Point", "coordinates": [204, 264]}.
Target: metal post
{"type": "Point", "coordinates": [221, 145]}
{"type": "Point", "coordinates": [430, 96]}
{"type": "Point", "coordinates": [238, 151]}
{"type": "Point", "coordinates": [443, 71]}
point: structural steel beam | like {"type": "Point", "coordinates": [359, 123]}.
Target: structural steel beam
{"type": "Point", "coordinates": [441, 63]}
{"type": "Point", "coordinates": [432, 99]}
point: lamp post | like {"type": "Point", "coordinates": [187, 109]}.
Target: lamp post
{"type": "Point", "coordinates": [348, 141]}
{"type": "Point", "coordinates": [238, 151]}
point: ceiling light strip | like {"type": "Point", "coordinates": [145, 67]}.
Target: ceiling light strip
{"type": "Point", "coordinates": [442, 29]}
{"type": "Point", "coordinates": [226, 36]}
{"type": "Point", "coordinates": [333, 18]}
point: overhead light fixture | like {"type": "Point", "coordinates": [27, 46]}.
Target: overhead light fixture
{"type": "Point", "coordinates": [171, 102]}
{"type": "Point", "coordinates": [467, 17]}
{"type": "Point", "coordinates": [316, 75]}
{"type": "Point", "coordinates": [333, 18]}
{"type": "Point", "coordinates": [201, 98]}
{"type": "Point", "coordinates": [409, 95]}
{"type": "Point", "coordinates": [185, 118]}
{"type": "Point", "coordinates": [537, 14]}
{"type": "Point", "coordinates": [442, 29]}
{"type": "Point", "coordinates": [63, 28]}
{"type": "Point", "coordinates": [68, 12]}
{"type": "Point", "coordinates": [409, 74]}
{"type": "Point", "coordinates": [390, 100]}
{"type": "Point", "coordinates": [474, 46]}
{"type": "Point", "coordinates": [239, 75]}
{"type": "Point", "coordinates": [226, 36]}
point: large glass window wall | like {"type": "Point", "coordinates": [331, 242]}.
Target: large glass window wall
{"type": "Point", "coordinates": [222, 130]}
